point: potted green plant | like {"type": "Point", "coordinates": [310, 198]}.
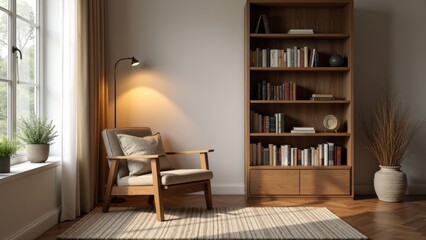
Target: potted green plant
{"type": "Point", "coordinates": [38, 133]}
{"type": "Point", "coordinates": [7, 149]}
{"type": "Point", "coordinates": [387, 135]}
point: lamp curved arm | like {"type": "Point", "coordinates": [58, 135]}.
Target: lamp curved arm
{"type": "Point", "coordinates": [134, 63]}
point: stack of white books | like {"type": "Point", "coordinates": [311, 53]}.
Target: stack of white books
{"type": "Point", "coordinates": [301, 31]}
{"type": "Point", "coordinates": [303, 130]}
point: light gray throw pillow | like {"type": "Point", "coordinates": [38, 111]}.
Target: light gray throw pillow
{"type": "Point", "coordinates": [148, 145]}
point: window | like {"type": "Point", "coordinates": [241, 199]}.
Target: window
{"type": "Point", "coordinates": [19, 62]}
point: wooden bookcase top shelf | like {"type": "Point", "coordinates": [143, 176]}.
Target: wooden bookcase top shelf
{"type": "Point", "coordinates": [300, 102]}
{"type": "Point", "coordinates": [301, 4]}
{"type": "Point", "coordinates": [324, 134]}
{"type": "Point", "coordinates": [343, 167]}
{"type": "Point", "coordinates": [300, 36]}
{"type": "Point", "coordinates": [302, 69]}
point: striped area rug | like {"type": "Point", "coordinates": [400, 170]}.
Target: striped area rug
{"type": "Point", "coordinates": [219, 223]}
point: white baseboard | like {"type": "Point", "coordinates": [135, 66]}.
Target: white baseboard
{"type": "Point", "coordinates": [228, 189]}
{"type": "Point", "coordinates": [416, 189]}
{"type": "Point", "coordinates": [39, 226]}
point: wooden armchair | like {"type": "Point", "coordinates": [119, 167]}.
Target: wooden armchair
{"type": "Point", "coordinates": [157, 184]}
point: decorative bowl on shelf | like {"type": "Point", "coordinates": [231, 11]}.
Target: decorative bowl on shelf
{"type": "Point", "coordinates": [331, 123]}
{"type": "Point", "coordinates": [336, 60]}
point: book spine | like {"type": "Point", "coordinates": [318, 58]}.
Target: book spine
{"type": "Point", "coordinates": [331, 154]}
{"type": "Point", "coordinates": [264, 58]}
{"type": "Point", "coordinates": [325, 151]}
{"type": "Point", "coordinates": [305, 56]}
{"type": "Point", "coordinates": [259, 154]}
{"type": "Point", "coordinates": [289, 57]}
{"type": "Point", "coordinates": [338, 152]}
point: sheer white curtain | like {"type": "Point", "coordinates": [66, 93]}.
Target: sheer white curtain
{"type": "Point", "coordinates": [84, 108]}
{"type": "Point", "coordinates": [72, 52]}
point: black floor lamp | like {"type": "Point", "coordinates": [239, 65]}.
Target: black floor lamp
{"type": "Point", "coordinates": [134, 62]}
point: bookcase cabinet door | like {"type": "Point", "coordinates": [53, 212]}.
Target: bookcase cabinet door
{"type": "Point", "coordinates": [274, 182]}
{"type": "Point", "coordinates": [325, 182]}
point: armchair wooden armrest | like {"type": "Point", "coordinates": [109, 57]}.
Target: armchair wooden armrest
{"type": "Point", "coordinates": [204, 160]}
{"type": "Point", "coordinates": [134, 157]}
{"type": "Point", "coordinates": [190, 152]}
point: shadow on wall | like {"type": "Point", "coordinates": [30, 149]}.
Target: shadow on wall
{"type": "Point", "coordinates": [372, 53]}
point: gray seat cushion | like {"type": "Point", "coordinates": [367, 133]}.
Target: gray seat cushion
{"type": "Point", "coordinates": [170, 177]}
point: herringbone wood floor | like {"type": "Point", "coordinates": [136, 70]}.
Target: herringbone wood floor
{"type": "Point", "coordinates": [376, 219]}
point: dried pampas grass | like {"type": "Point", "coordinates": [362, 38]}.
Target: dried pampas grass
{"type": "Point", "coordinates": [389, 132]}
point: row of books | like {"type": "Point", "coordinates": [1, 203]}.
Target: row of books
{"type": "Point", "coordinates": [267, 124]}
{"type": "Point", "coordinates": [290, 57]}
{"type": "Point", "coordinates": [325, 154]}
{"type": "Point", "coordinates": [268, 91]}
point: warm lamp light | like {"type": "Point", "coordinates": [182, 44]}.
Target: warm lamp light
{"type": "Point", "coordinates": [134, 62]}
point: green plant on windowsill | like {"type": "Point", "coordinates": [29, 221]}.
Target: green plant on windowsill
{"type": "Point", "coordinates": [36, 130]}
{"type": "Point", "coordinates": [38, 133]}
{"type": "Point", "coordinates": [7, 149]}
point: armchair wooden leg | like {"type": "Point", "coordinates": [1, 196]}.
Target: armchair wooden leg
{"type": "Point", "coordinates": [158, 201]}
{"type": "Point", "coordinates": [159, 208]}
{"type": "Point", "coordinates": [111, 179]}
{"type": "Point", "coordinates": [208, 196]}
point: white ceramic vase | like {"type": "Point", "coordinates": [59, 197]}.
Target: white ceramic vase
{"type": "Point", "coordinates": [390, 184]}
{"type": "Point", "coordinates": [37, 153]}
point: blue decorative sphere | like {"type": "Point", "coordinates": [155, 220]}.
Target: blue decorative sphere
{"type": "Point", "coordinates": [336, 60]}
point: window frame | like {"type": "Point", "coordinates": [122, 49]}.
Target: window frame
{"type": "Point", "coordinates": [12, 81]}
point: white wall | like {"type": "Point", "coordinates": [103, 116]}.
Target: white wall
{"type": "Point", "coordinates": [30, 203]}
{"type": "Point", "coordinates": [390, 49]}
{"type": "Point", "coordinates": [191, 88]}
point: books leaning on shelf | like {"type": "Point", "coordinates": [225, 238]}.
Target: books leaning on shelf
{"type": "Point", "coordinates": [303, 130]}
{"type": "Point", "coordinates": [267, 124]}
{"type": "Point", "coordinates": [268, 91]}
{"type": "Point", "coordinates": [301, 31]}
{"type": "Point", "coordinates": [262, 25]}
{"type": "Point", "coordinates": [324, 154]}
{"type": "Point", "coordinates": [322, 96]}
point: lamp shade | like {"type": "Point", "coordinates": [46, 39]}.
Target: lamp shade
{"type": "Point", "coordinates": [135, 62]}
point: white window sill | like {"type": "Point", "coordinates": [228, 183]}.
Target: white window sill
{"type": "Point", "coordinates": [26, 168]}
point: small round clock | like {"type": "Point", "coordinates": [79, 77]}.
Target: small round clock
{"type": "Point", "coordinates": [331, 123]}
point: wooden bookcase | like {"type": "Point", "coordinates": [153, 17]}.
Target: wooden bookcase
{"type": "Point", "coordinates": [331, 21]}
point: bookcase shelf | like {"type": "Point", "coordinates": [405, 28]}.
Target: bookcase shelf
{"type": "Point", "coordinates": [324, 134]}
{"type": "Point", "coordinates": [301, 167]}
{"type": "Point", "coordinates": [329, 36]}
{"type": "Point", "coordinates": [302, 69]}
{"type": "Point", "coordinates": [300, 102]}
{"type": "Point", "coordinates": [269, 172]}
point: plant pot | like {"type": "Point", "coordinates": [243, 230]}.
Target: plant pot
{"type": "Point", "coordinates": [390, 184]}
{"type": "Point", "coordinates": [4, 164]}
{"type": "Point", "coordinates": [37, 153]}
